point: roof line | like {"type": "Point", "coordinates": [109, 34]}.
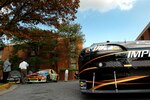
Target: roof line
{"type": "Point", "coordinates": [148, 25]}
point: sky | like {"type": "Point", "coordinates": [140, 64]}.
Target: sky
{"type": "Point", "coordinates": [112, 20]}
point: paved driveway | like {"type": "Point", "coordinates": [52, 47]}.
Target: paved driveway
{"type": "Point", "coordinates": [62, 91]}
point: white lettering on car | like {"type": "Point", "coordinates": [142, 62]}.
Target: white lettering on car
{"type": "Point", "coordinates": [138, 54]}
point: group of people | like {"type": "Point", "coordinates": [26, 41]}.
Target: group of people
{"type": "Point", "coordinates": [7, 69]}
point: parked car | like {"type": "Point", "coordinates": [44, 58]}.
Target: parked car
{"type": "Point", "coordinates": [42, 76]}
{"type": "Point", "coordinates": [14, 76]}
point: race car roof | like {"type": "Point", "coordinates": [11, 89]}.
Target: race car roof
{"type": "Point", "coordinates": [128, 44]}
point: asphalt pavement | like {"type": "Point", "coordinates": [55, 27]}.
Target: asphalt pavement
{"type": "Point", "coordinates": [61, 91]}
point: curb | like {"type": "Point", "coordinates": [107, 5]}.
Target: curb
{"type": "Point", "coordinates": [8, 87]}
{"type": "Point", "coordinates": [5, 86]}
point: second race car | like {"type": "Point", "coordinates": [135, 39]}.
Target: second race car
{"type": "Point", "coordinates": [42, 76]}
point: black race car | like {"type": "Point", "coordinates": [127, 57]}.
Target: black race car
{"type": "Point", "coordinates": [118, 67]}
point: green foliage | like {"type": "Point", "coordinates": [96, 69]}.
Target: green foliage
{"type": "Point", "coordinates": [73, 36]}
{"type": "Point", "coordinates": [2, 45]}
{"type": "Point", "coordinates": [1, 62]}
{"type": "Point", "coordinates": [34, 63]}
{"type": "Point", "coordinates": [15, 60]}
{"type": "Point", "coordinates": [42, 50]}
{"type": "Point", "coordinates": [72, 31]}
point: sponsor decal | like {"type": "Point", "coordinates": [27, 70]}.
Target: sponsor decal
{"type": "Point", "coordinates": [83, 85]}
{"type": "Point", "coordinates": [104, 47]}
{"type": "Point", "coordinates": [139, 54]}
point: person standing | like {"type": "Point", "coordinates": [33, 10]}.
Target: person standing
{"type": "Point", "coordinates": [23, 68]}
{"type": "Point", "coordinates": [6, 70]}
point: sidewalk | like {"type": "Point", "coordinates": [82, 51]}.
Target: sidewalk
{"type": "Point", "coordinates": [4, 88]}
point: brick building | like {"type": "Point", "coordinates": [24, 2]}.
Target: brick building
{"type": "Point", "coordinates": [61, 64]}
{"type": "Point", "coordinates": [145, 34]}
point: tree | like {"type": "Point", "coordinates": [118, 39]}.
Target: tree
{"type": "Point", "coordinates": [17, 15]}
{"type": "Point", "coordinates": [72, 36]}
{"type": "Point", "coordinates": [41, 49]}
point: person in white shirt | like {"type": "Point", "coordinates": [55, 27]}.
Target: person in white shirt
{"type": "Point", "coordinates": [23, 68]}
